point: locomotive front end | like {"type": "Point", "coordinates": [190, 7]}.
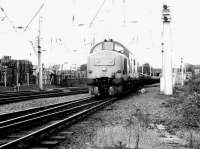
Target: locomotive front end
{"type": "Point", "coordinates": [107, 64]}
{"type": "Point", "coordinates": [102, 69]}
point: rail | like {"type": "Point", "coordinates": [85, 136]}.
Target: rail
{"type": "Point", "coordinates": [29, 130]}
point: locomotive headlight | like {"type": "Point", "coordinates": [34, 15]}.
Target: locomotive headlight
{"type": "Point", "coordinates": [104, 69]}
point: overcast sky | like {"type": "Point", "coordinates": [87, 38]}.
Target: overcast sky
{"type": "Point", "coordinates": [66, 39]}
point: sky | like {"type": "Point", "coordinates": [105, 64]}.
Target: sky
{"type": "Point", "coordinates": [67, 40]}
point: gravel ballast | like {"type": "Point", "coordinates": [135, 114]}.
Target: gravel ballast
{"type": "Point", "coordinates": [119, 125]}
{"type": "Point", "coordinates": [18, 106]}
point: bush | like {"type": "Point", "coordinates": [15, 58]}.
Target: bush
{"type": "Point", "coordinates": [189, 109]}
{"type": "Point", "coordinates": [193, 85]}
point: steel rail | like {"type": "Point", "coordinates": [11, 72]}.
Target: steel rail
{"type": "Point", "coordinates": [41, 95]}
{"type": "Point", "coordinates": [6, 116]}
{"type": "Point", "coordinates": [18, 114]}
{"type": "Point", "coordinates": [22, 122]}
{"type": "Point", "coordinates": [56, 126]}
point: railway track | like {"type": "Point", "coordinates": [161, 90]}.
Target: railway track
{"type": "Point", "coordinates": [16, 97]}
{"type": "Point", "coordinates": [31, 127]}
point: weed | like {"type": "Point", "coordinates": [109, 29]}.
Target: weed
{"type": "Point", "coordinates": [140, 121]}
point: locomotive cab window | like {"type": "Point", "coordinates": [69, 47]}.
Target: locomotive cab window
{"type": "Point", "coordinates": [119, 48]}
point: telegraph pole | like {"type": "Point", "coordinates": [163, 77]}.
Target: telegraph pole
{"type": "Point", "coordinates": [168, 85]}
{"type": "Point", "coordinates": [40, 80]}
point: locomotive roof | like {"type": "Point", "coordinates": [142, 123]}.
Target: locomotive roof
{"type": "Point", "coordinates": [124, 50]}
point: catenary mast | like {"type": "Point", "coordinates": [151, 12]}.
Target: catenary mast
{"type": "Point", "coordinates": [39, 58]}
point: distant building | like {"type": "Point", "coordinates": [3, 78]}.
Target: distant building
{"type": "Point", "coordinates": [17, 71]}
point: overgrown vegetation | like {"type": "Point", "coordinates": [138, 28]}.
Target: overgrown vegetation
{"type": "Point", "coordinates": [187, 106]}
{"type": "Point", "coordinates": [138, 120]}
{"type": "Point", "coordinates": [190, 107]}
{"type": "Point", "coordinates": [193, 85]}
{"type": "Point", "coordinates": [187, 103]}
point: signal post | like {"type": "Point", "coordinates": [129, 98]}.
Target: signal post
{"type": "Point", "coordinates": [167, 56]}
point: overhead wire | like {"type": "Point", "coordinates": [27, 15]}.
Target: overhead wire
{"type": "Point", "coordinates": [37, 12]}
{"type": "Point", "coordinates": [96, 14]}
{"type": "Point", "coordinates": [6, 16]}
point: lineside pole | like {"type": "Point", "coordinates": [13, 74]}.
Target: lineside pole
{"type": "Point", "coordinates": [17, 75]}
{"type": "Point", "coordinates": [168, 85]}
{"type": "Point", "coordinates": [150, 69]}
{"type": "Point", "coordinates": [182, 75]}
{"type": "Point", "coordinates": [39, 60]}
{"type": "Point", "coordinates": [28, 79]}
{"type": "Point", "coordinates": [5, 78]}
{"type": "Point", "coordinates": [142, 69]}
{"type": "Point", "coordinates": [162, 76]}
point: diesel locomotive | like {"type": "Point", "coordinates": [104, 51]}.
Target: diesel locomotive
{"type": "Point", "coordinates": [110, 69]}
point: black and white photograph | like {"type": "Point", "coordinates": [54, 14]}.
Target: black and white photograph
{"type": "Point", "coordinates": [99, 74]}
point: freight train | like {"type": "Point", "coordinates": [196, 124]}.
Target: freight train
{"type": "Point", "coordinates": [111, 70]}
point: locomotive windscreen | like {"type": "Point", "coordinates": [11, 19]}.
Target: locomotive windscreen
{"type": "Point", "coordinates": [104, 59]}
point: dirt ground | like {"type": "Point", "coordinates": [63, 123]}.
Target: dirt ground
{"type": "Point", "coordinates": [139, 117]}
